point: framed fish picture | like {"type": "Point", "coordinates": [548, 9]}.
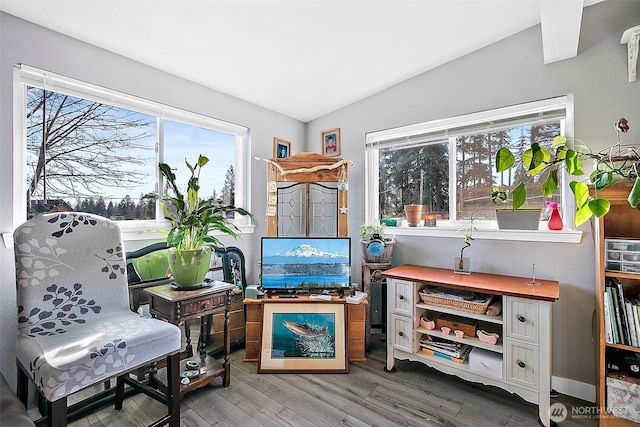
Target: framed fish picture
{"type": "Point", "coordinates": [303, 337]}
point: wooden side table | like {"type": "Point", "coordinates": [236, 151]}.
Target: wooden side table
{"type": "Point", "coordinates": [177, 306]}
{"type": "Point", "coordinates": [372, 275]}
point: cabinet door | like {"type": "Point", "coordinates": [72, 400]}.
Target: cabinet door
{"type": "Point", "coordinates": [402, 333]}
{"type": "Point", "coordinates": [523, 362]}
{"type": "Point", "coordinates": [522, 319]}
{"type": "Point", "coordinates": [402, 297]}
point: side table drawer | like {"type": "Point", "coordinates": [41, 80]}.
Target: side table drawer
{"type": "Point", "coordinates": [402, 333]}
{"type": "Point", "coordinates": [203, 306]}
{"type": "Point", "coordinates": [402, 293]}
{"type": "Point", "coordinates": [523, 366]}
{"type": "Point", "coordinates": [522, 319]}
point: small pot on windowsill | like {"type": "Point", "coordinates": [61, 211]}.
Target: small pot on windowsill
{"type": "Point", "coordinates": [414, 214]}
{"type": "Point", "coordinates": [518, 219]}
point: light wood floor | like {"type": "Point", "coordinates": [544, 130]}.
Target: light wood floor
{"type": "Point", "coordinates": [411, 395]}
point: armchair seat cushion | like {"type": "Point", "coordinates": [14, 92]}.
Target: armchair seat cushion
{"type": "Point", "coordinates": [90, 352]}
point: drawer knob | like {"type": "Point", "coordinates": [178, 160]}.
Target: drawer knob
{"type": "Point", "coordinates": [401, 333]}
{"type": "Point", "coordinates": [521, 363]}
{"type": "Point", "coordinates": [401, 297]}
{"type": "Point", "coordinates": [521, 318]}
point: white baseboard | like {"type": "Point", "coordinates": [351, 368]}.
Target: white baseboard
{"type": "Point", "coordinates": [573, 388]}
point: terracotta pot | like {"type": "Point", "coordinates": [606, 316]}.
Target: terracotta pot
{"type": "Point", "coordinates": [414, 214]}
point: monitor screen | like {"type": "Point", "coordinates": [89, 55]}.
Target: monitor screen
{"type": "Point", "coordinates": [306, 263]}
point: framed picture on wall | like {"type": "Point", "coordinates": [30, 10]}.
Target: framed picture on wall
{"type": "Point", "coordinates": [281, 148]}
{"type": "Point", "coordinates": [303, 337]}
{"type": "Point", "coordinates": [330, 140]}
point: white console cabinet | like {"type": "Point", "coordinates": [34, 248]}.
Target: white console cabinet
{"type": "Point", "coordinates": [524, 327]}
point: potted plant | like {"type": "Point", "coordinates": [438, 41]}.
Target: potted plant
{"type": "Point", "coordinates": [514, 218]}
{"type": "Point", "coordinates": [375, 246]}
{"type": "Point", "coordinates": [614, 164]}
{"type": "Point", "coordinates": [462, 264]}
{"type": "Point", "coordinates": [192, 219]}
{"type": "Point", "coordinates": [414, 214]}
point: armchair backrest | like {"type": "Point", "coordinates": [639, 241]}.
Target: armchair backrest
{"type": "Point", "coordinates": [233, 268]}
{"type": "Point", "coordinates": [69, 266]}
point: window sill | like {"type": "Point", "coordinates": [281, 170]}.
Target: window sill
{"type": "Point", "coordinates": [560, 236]}
{"type": "Point", "coordinates": [139, 230]}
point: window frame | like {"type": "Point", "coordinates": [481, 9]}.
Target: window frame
{"type": "Point", "coordinates": [486, 229]}
{"type": "Point", "coordinates": [24, 75]}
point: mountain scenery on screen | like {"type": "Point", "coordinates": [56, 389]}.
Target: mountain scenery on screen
{"type": "Point", "coordinates": [306, 267]}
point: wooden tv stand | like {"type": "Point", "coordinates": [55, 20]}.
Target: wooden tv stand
{"type": "Point", "coordinates": [356, 317]}
{"type": "Point", "coordinates": [520, 361]}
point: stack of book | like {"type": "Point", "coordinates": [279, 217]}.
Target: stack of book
{"type": "Point", "coordinates": [622, 315]}
{"type": "Point", "coordinates": [446, 349]}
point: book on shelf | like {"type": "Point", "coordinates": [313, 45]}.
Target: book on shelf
{"type": "Point", "coordinates": [612, 316]}
{"type": "Point", "coordinates": [461, 359]}
{"type": "Point", "coordinates": [618, 314]}
{"type": "Point", "coordinates": [636, 321]}
{"type": "Point", "coordinates": [608, 330]}
{"type": "Point", "coordinates": [443, 346]}
{"type": "Point", "coordinates": [626, 326]}
{"type": "Point", "coordinates": [631, 324]}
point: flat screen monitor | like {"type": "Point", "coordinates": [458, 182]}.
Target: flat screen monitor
{"type": "Point", "coordinates": [305, 264]}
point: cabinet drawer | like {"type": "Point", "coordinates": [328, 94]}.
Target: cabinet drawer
{"type": "Point", "coordinates": [522, 319]}
{"type": "Point", "coordinates": [402, 297]}
{"type": "Point", "coordinates": [203, 306]}
{"type": "Point", "coordinates": [402, 333]}
{"type": "Point", "coordinates": [523, 364]}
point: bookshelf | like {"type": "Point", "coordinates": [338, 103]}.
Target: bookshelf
{"type": "Point", "coordinates": [622, 222]}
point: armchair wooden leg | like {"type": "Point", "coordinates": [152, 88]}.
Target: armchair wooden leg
{"type": "Point", "coordinates": [119, 392]}
{"type": "Point", "coordinates": [22, 388]}
{"type": "Point", "coordinates": [173, 389]}
{"type": "Point", "coordinates": [57, 413]}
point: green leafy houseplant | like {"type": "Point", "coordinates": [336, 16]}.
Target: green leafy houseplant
{"type": "Point", "coordinates": [614, 164]}
{"type": "Point", "coordinates": [514, 218]}
{"type": "Point", "coordinates": [193, 219]}
{"type": "Point", "coordinates": [367, 231]}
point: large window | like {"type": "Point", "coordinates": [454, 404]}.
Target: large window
{"type": "Point", "coordinates": [448, 166]}
{"type": "Point", "coordinates": [94, 150]}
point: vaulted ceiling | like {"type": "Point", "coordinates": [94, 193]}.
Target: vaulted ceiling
{"type": "Point", "coordinates": [303, 58]}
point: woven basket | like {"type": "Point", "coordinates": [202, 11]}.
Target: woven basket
{"type": "Point", "coordinates": [385, 257]}
{"type": "Point", "coordinates": [456, 304]}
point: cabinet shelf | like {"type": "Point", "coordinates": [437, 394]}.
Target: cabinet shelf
{"type": "Point", "coordinates": [473, 342]}
{"type": "Point", "coordinates": [623, 347]}
{"type": "Point", "coordinates": [483, 317]}
{"type": "Point", "coordinates": [622, 275]}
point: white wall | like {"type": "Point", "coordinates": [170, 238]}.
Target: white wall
{"type": "Point", "coordinates": [506, 73]}
{"type": "Point", "coordinates": [23, 42]}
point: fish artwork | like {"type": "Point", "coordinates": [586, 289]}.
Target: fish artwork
{"type": "Point", "coordinates": [313, 341]}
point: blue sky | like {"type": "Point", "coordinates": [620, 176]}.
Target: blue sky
{"type": "Point", "coordinates": [279, 245]}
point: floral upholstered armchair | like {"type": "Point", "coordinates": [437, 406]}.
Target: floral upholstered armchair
{"type": "Point", "coordinates": [75, 328]}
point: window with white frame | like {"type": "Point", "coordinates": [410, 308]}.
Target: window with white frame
{"type": "Point", "coordinates": [95, 150]}
{"type": "Point", "coordinates": [448, 166]}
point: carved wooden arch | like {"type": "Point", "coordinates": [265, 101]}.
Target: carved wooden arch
{"type": "Point", "coordinates": [308, 168]}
